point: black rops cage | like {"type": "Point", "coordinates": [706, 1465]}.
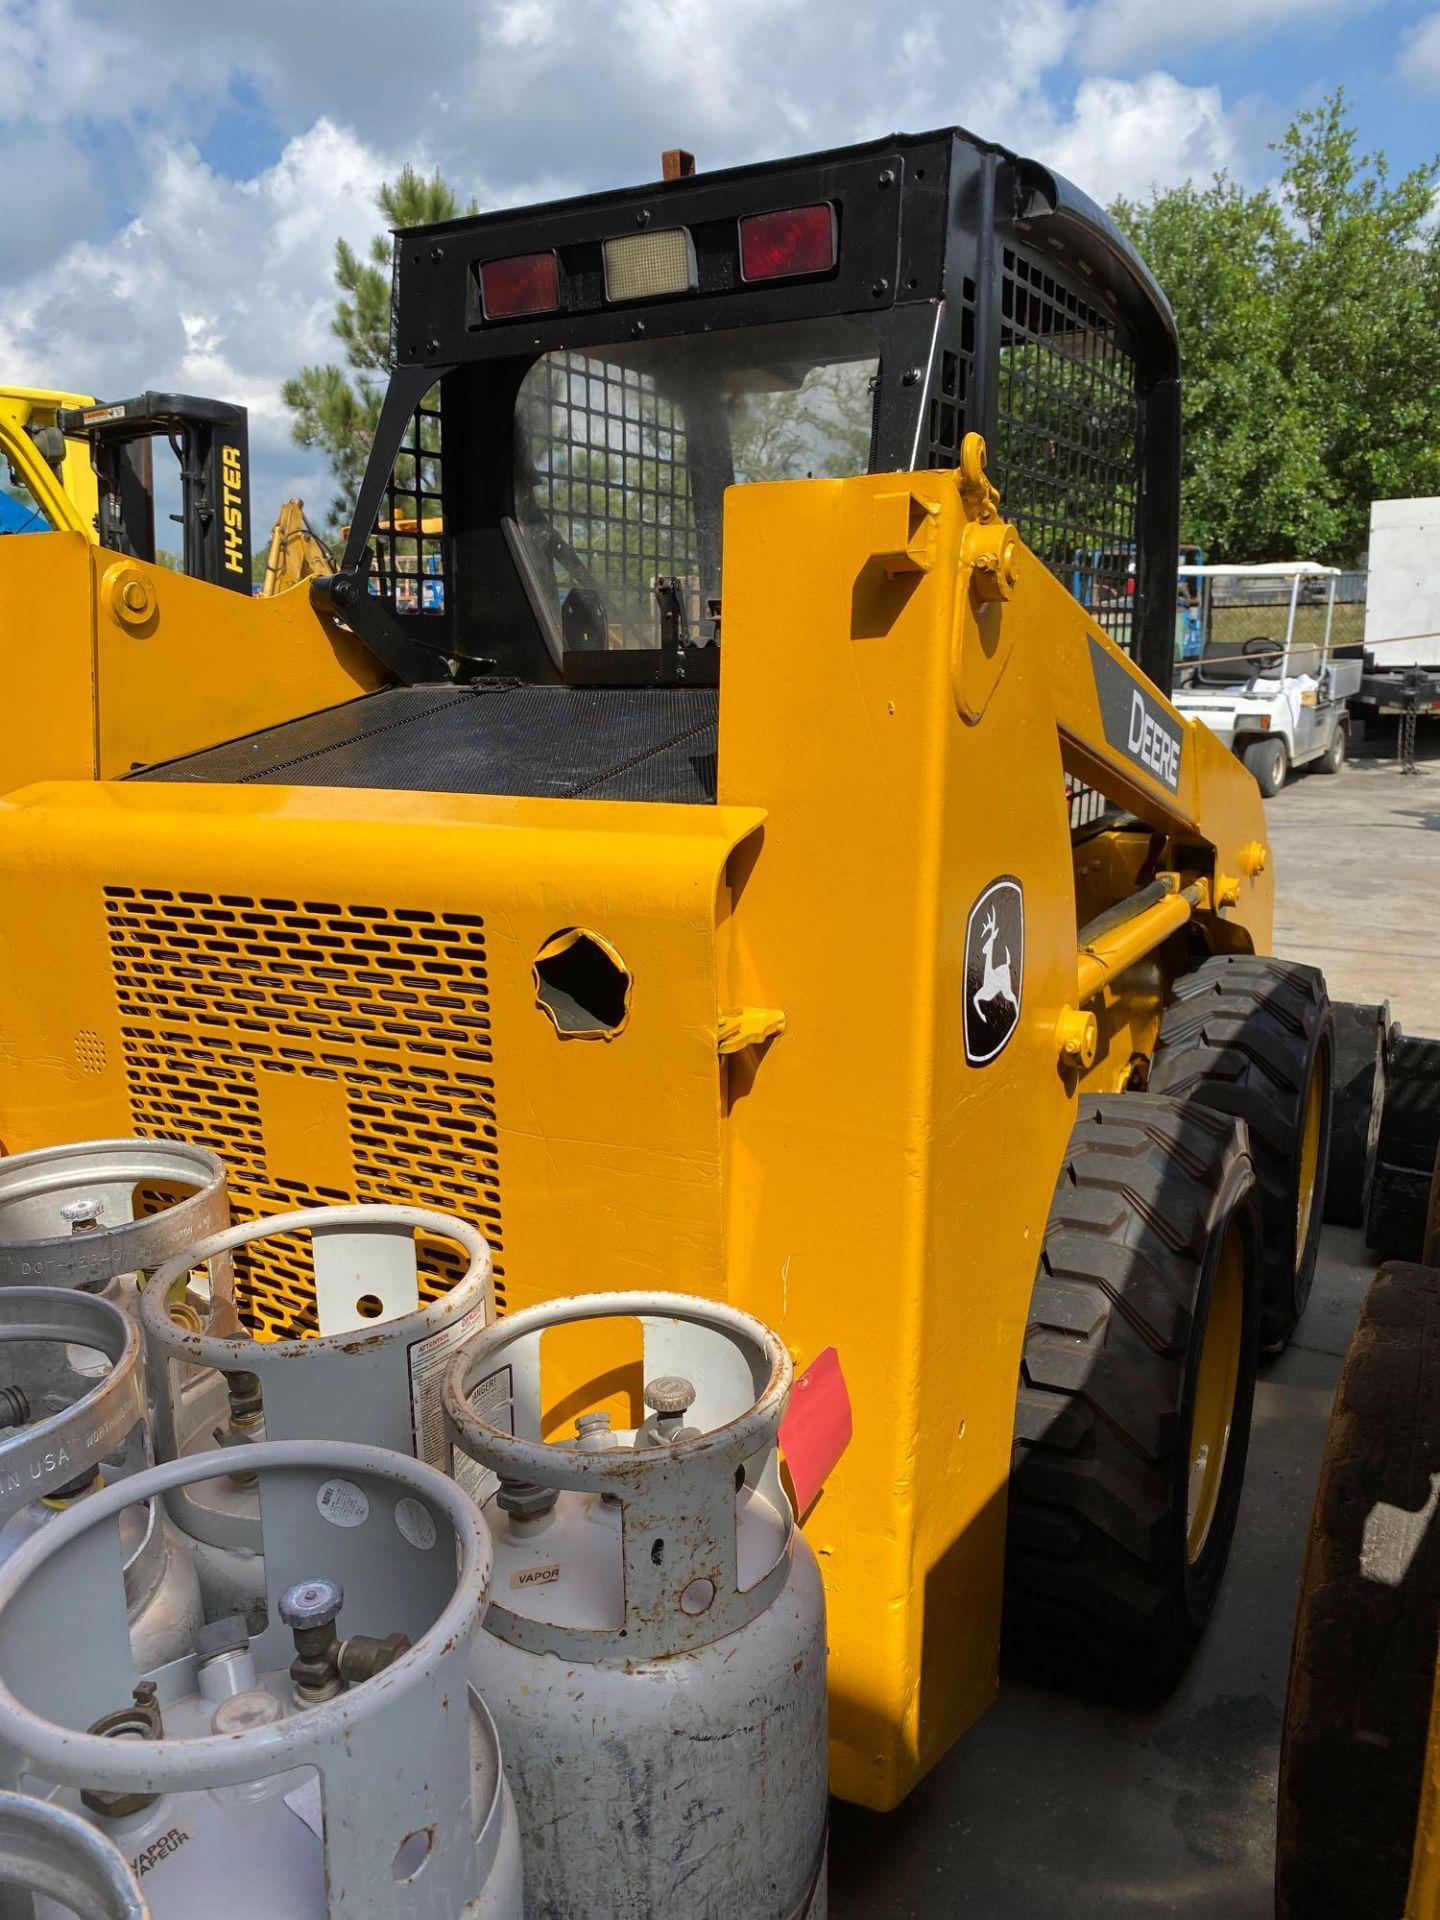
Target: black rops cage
{"type": "Point", "coordinates": [575, 386]}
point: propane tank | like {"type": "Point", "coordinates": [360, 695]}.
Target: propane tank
{"type": "Point", "coordinates": [99, 1215]}
{"type": "Point", "coordinates": [654, 1653]}
{"type": "Point", "coordinates": [72, 1416]}
{"type": "Point", "coordinates": [373, 1373]}
{"type": "Point", "coordinates": [71, 1216]}
{"type": "Point", "coordinates": [317, 1768]}
{"type": "Point", "coordinates": [45, 1850]}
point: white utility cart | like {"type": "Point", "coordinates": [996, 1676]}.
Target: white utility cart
{"type": "Point", "coordinates": [1278, 700]}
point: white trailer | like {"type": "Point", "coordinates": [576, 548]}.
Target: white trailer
{"type": "Point", "coordinates": [1278, 700]}
{"type": "Point", "coordinates": [1402, 606]}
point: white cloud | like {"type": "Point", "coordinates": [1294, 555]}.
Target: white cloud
{"type": "Point", "coordinates": [1127, 35]}
{"type": "Point", "coordinates": [50, 194]}
{"type": "Point", "coordinates": [216, 286]}
{"type": "Point", "coordinates": [1420, 60]}
{"type": "Point", "coordinates": [221, 282]}
{"type": "Point", "coordinates": [1124, 137]}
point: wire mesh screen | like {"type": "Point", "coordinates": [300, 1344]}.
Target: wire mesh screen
{"type": "Point", "coordinates": [957, 372]}
{"type": "Point", "coordinates": [603, 490]}
{"type": "Point", "coordinates": [407, 546]}
{"type": "Point", "coordinates": [1068, 451]}
{"type": "Point", "coordinates": [1069, 438]}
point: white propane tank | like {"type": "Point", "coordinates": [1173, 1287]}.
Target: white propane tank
{"type": "Point", "coordinates": [72, 1406]}
{"type": "Point", "coordinates": [654, 1653]}
{"type": "Point", "coordinates": [100, 1215]}
{"type": "Point", "coordinates": [45, 1850]}
{"type": "Point", "coordinates": [372, 1374]}
{"type": "Point", "coordinates": [319, 1768]}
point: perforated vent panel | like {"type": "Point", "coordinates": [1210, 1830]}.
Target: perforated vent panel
{"type": "Point", "coordinates": [327, 1054]}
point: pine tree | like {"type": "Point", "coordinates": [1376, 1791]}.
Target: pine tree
{"type": "Point", "coordinates": [336, 408]}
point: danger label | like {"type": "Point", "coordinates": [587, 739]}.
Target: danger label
{"type": "Point", "coordinates": [429, 1363]}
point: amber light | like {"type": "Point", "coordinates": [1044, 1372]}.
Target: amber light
{"type": "Point", "coordinates": [523, 283]}
{"type": "Point", "coordinates": [797, 240]}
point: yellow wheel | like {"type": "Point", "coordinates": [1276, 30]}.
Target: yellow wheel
{"type": "Point", "coordinates": [1312, 1129]}
{"type": "Point", "coordinates": [1213, 1414]}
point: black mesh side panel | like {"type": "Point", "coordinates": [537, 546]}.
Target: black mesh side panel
{"type": "Point", "coordinates": [1068, 454]}
{"type": "Point", "coordinates": [408, 550]}
{"type": "Point", "coordinates": [601, 743]}
{"type": "Point", "coordinates": [947, 422]}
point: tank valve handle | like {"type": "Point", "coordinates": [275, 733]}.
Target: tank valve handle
{"type": "Point", "coordinates": [82, 1216]}
{"type": "Point", "coordinates": [14, 1407]}
{"type": "Point", "coordinates": [325, 1665]}
{"type": "Point", "coordinates": [670, 1396]}
{"type": "Point", "coordinates": [310, 1609]}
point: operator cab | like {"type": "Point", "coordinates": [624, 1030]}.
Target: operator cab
{"type": "Point", "coordinates": [575, 386]}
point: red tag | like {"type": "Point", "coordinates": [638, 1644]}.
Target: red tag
{"type": "Point", "coordinates": [816, 1429]}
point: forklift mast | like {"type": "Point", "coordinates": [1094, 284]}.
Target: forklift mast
{"type": "Point", "coordinates": [574, 386]}
{"type": "Point", "coordinates": [211, 443]}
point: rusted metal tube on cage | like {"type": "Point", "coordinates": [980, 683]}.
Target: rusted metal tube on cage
{"type": "Point", "coordinates": [1109, 952]}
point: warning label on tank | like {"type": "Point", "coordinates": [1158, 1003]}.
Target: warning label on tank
{"type": "Point", "coordinates": [162, 1848]}
{"type": "Point", "coordinates": [343, 1504]}
{"type": "Point", "coordinates": [415, 1523]}
{"type": "Point", "coordinates": [429, 1362]}
{"type": "Point", "coordinates": [493, 1400]}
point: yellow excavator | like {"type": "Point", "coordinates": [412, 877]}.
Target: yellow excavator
{"type": "Point", "coordinates": [296, 552]}
{"type": "Point", "coordinates": [46, 476]}
{"type": "Point", "coordinates": [718, 850]}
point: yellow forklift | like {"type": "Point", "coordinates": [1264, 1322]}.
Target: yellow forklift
{"type": "Point", "coordinates": [111, 659]}
{"type": "Point", "coordinates": [754, 872]}
{"type": "Point", "coordinates": [71, 463]}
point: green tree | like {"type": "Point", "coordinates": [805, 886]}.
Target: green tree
{"type": "Point", "coordinates": [336, 408]}
{"type": "Point", "coordinates": [1308, 316]}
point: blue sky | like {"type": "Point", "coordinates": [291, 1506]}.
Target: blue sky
{"type": "Point", "coordinates": [175, 176]}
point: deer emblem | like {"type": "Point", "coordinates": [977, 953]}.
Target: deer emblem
{"type": "Point", "coordinates": [997, 984]}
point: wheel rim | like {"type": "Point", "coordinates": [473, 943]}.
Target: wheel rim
{"type": "Point", "coordinates": [1213, 1413]}
{"type": "Point", "coordinates": [1309, 1157]}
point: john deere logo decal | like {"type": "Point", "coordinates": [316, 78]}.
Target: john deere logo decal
{"type": "Point", "coordinates": [994, 969]}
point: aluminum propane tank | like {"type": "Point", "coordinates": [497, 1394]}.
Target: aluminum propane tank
{"type": "Point", "coordinates": [373, 1373]}
{"type": "Point", "coordinates": [72, 1409]}
{"type": "Point", "coordinates": [654, 1653]}
{"type": "Point", "coordinates": [45, 1850]}
{"type": "Point", "coordinates": [98, 1216]}
{"type": "Point", "coordinates": [319, 1768]}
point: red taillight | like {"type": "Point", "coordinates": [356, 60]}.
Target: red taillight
{"type": "Point", "coordinates": [776, 245]}
{"type": "Point", "coordinates": [525, 283]}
